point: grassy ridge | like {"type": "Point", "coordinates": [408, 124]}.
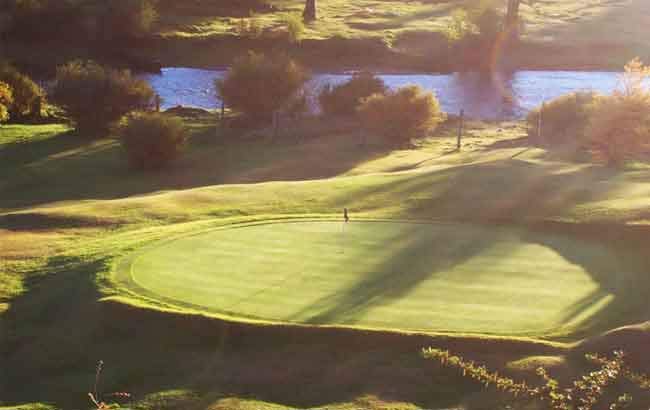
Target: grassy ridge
{"type": "Point", "coordinates": [74, 213]}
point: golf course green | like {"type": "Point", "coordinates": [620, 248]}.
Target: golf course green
{"type": "Point", "coordinates": [410, 276]}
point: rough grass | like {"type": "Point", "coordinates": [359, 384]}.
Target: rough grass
{"type": "Point", "coordinates": [71, 209]}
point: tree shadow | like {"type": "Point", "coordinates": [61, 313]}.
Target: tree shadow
{"type": "Point", "coordinates": [54, 334]}
{"type": "Point", "coordinates": [510, 191]}
{"type": "Point", "coordinates": [212, 157]}
{"type": "Point", "coordinates": [21, 153]}
{"type": "Point", "coordinates": [616, 261]}
{"type": "Point", "coordinates": [413, 261]}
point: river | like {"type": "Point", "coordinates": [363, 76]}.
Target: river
{"type": "Point", "coordinates": [484, 96]}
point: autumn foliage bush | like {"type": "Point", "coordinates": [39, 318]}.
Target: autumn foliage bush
{"type": "Point", "coordinates": [152, 140]}
{"type": "Point", "coordinates": [619, 128]}
{"type": "Point", "coordinates": [26, 93]}
{"type": "Point", "coordinates": [564, 119]}
{"type": "Point", "coordinates": [344, 99]}
{"type": "Point", "coordinates": [403, 114]}
{"type": "Point", "coordinates": [95, 97]}
{"type": "Point", "coordinates": [6, 99]}
{"type": "Point", "coordinates": [258, 85]}
{"type": "Point", "coordinates": [613, 128]}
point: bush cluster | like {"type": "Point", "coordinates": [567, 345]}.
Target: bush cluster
{"type": "Point", "coordinates": [614, 128]}
{"type": "Point", "coordinates": [345, 98]}
{"type": "Point", "coordinates": [152, 140]}
{"type": "Point", "coordinates": [564, 119]}
{"type": "Point", "coordinates": [257, 85]}
{"type": "Point", "coordinates": [27, 95]}
{"type": "Point", "coordinates": [295, 27]}
{"type": "Point", "coordinates": [76, 20]}
{"type": "Point", "coordinates": [94, 97]}
{"type": "Point", "coordinates": [402, 114]}
{"type": "Point", "coordinates": [619, 128]}
{"type": "Point", "coordinates": [6, 99]}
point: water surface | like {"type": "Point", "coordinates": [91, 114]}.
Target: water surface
{"type": "Point", "coordinates": [504, 96]}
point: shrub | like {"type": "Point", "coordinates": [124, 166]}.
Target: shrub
{"type": "Point", "coordinates": [487, 20]}
{"type": "Point", "coordinates": [402, 114]}
{"type": "Point", "coordinates": [248, 28]}
{"type": "Point", "coordinates": [135, 18]}
{"type": "Point", "coordinates": [458, 27]}
{"type": "Point", "coordinates": [26, 93]}
{"type": "Point", "coordinates": [295, 27]}
{"type": "Point", "coordinates": [619, 128]}
{"type": "Point", "coordinates": [564, 119]}
{"type": "Point", "coordinates": [591, 390]}
{"type": "Point", "coordinates": [152, 140]}
{"type": "Point", "coordinates": [345, 98]}
{"type": "Point", "coordinates": [78, 20]}
{"type": "Point", "coordinates": [42, 19]}
{"type": "Point", "coordinates": [94, 96]}
{"type": "Point", "coordinates": [257, 85]}
{"type": "Point", "coordinates": [6, 99]}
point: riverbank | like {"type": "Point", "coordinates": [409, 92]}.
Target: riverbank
{"type": "Point", "coordinates": [406, 55]}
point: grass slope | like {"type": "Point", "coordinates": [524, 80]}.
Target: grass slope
{"type": "Point", "coordinates": [72, 208]}
{"type": "Point", "coordinates": [568, 33]}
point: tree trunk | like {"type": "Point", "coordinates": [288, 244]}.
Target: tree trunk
{"type": "Point", "coordinates": [513, 12]}
{"type": "Point", "coordinates": [512, 18]}
{"type": "Point", "coordinates": [310, 10]}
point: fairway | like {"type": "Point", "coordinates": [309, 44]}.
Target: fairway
{"type": "Point", "coordinates": [409, 276]}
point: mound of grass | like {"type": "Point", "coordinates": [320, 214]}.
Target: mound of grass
{"type": "Point", "coordinates": [449, 277]}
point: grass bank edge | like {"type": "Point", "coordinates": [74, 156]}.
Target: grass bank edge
{"type": "Point", "coordinates": [122, 289]}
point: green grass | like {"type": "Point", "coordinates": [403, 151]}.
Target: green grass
{"type": "Point", "coordinates": [567, 33]}
{"type": "Point", "coordinates": [426, 277]}
{"type": "Point", "coordinates": [70, 209]}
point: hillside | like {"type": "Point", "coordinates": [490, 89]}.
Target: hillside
{"type": "Point", "coordinates": [567, 33]}
{"type": "Point", "coordinates": [71, 210]}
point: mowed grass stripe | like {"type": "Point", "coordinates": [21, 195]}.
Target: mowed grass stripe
{"type": "Point", "coordinates": [435, 277]}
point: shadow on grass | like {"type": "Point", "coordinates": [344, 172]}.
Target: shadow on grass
{"type": "Point", "coordinates": [211, 158]}
{"type": "Point", "coordinates": [510, 192]}
{"type": "Point", "coordinates": [38, 147]}
{"type": "Point", "coordinates": [413, 261]}
{"type": "Point", "coordinates": [56, 332]}
{"type": "Point", "coordinates": [616, 260]}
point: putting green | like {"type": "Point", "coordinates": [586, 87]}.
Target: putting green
{"type": "Point", "coordinates": [431, 277]}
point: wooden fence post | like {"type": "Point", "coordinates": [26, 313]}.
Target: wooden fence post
{"type": "Point", "coordinates": [539, 122]}
{"type": "Point", "coordinates": [461, 121]}
{"type": "Point", "coordinates": [276, 124]}
{"type": "Point", "coordinates": [158, 101]}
